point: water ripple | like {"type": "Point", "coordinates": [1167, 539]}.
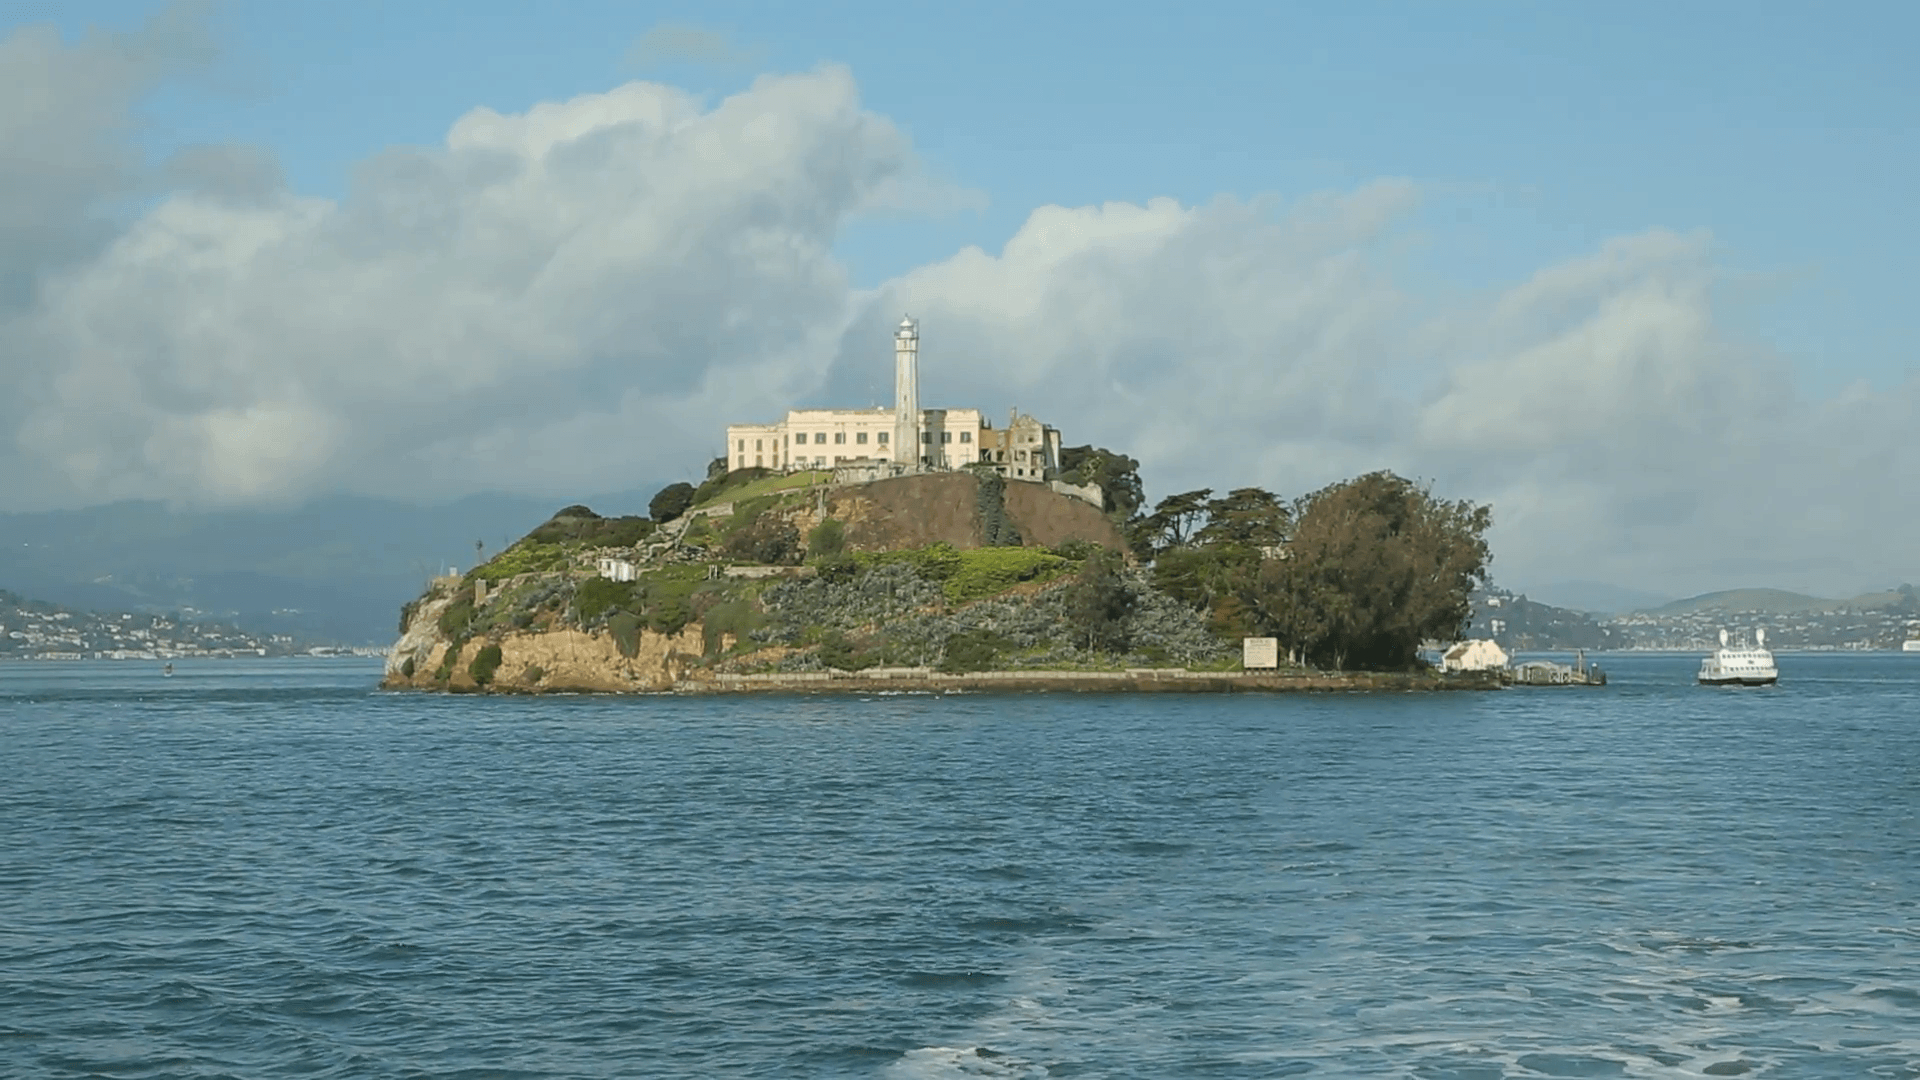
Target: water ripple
{"type": "Point", "coordinates": [260, 869]}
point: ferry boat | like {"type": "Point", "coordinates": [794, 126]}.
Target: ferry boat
{"type": "Point", "coordinates": [1741, 666]}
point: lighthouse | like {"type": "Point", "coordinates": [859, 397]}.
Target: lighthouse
{"type": "Point", "coordinates": [906, 395]}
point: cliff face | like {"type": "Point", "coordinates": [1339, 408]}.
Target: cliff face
{"type": "Point", "coordinates": [720, 594]}
{"type": "Point", "coordinates": [944, 508]}
{"type": "Point", "coordinates": [553, 660]}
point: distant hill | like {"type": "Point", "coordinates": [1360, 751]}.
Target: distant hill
{"type": "Point", "coordinates": [1766, 601]}
{"type": "Point", "coordinates": [333, 570]}
{"type": "Point", "coordinates": [1782, 602]}
{"type": "Point", "coordinates": [1595, 597]}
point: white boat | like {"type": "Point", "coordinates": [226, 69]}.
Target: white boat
{"type": "Point", "coordinates": [1910, 645]}
{"type": "Point", "coordinates": [1740, 666]}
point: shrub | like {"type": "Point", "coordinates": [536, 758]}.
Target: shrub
{"type": "Point", "coordinates": [406, 668]}
{"type": "Point", "coordinates": [985, 572]}
{"type": "Point", "coordinates": [1077, 550]}
{"type": "Point", "coordinates": [936, 562]}
{"type": "Point", "coordinates": [734, 616]}
{"type": "Point", "coordinates": [990, 502]}
{"type": "Point", "coordinates": [534, 674]}
{"type": "Point", "coordinates": [973, 650]}
{"type": "Point", "coordinates": [485, 663]}
{"type": "Point", "coordinates": [669, 616]}
{"type": "Point", "coordinates": [528, 556]}
{"type": "Point", "coordinates": [722, 481]}
{"type": "Point", "coordinates": [457, 616]}
{"type": "Point", "coordinates": [448, 659]}
{"type": "Point", "coordinates": [838, 652]}
{"type": "Point", "coordinates": [829, 538]}
{"type": "Point", "coordinates": [597, 596]}
{"type": "Point", "coordinates": [625, 628]}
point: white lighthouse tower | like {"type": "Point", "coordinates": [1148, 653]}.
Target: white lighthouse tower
{"type": "Point", "coordinates": [906, 395]}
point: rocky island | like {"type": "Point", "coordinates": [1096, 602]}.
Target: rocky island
{"type": "Point", "coordinates": [809, 581]}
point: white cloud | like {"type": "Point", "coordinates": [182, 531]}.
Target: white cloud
{"type": "Point", "coordinates": [578, 296]}
{"type": "Point", "coordinates": [564, 296]}
{"type": "Point", "coordinates": [1618, 431]}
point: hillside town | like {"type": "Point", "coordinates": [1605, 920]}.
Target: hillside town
{"type": "Point", "coordinates": [1517, 622]}
{"type": "Point", "coordinates": [30, 630]}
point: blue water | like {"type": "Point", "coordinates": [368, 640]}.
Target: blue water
{"type": "Point", "coordinates": [265, 868]}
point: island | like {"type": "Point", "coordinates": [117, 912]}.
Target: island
{"type": "Point", "coordinates": [927, 548]}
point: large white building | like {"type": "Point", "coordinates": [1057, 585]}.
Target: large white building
{"type": "Point", "coordinates": [903, 439]}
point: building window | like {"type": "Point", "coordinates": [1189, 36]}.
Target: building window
{"type": "Point", "coordinates": [946, 436]}
{"type": "Point", "coordinates": [742, 446]}
{"type": "Point", "coordinates": [986, 455]}
{"type": "Point", "coordinates": [840, 438]}
{"type": "Point", "coordinates": [819, 461]}
{"type": "Point", "coordinates": [881, 438]}
{"type": "Point", "coordinates": [860, 437]}
{"type": "Point", "coordinates": [926, 438]}
{"type": "Point", "coordinates": [757, 462]}
{"type": "Point", "coordinates": [743, 463]}
{"type": "Point", "coordinates": [966, 436]}
{"type": "Point", "coordinates": [756, 444]}
{"type": "Point", "coordinates": [820, 437]}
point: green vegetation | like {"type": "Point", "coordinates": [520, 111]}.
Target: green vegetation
{"type": "Point", "coordinates": [990, 503]}
{"type": "Point", "coordinates": [670, 502]}
{"type": "Point", "coordinates": [827, 539]}
{"type": "Point", "coordinates": [974, 650]}
{"type": "Point", "coordinates": [1117, 475]}
{"type": "Point", "coordinates": [1355, 575]}
{"type": "Point", "coordinates": [457, 617]}
{"type": "Point", "coordinates": [761, 485]}
{"type": "Point", "coordinates": [485, 663]}
{"type": "Point", "coordinates": [529, 556]}
{"type": "Point", "coordinates": [597, 596]}
{"type": "Point", "coordinates": [985, 572]}
{"type": "Point", "coordinates": [448, 660]}
{"type": "Point", "coordinates": [1099, 603]}
{"type": "Point", "coordinates": [406, 668]}
{"type": "Point", "coordinates": [625, 628]}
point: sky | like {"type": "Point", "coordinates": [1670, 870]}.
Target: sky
{"type": "Point", "coordinates": [1635, 274]}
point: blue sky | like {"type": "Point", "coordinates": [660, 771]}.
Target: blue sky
{"type": "Point", "coordinates": [1638, 274]}
{"type": "Point", "coordinates": [1536, 130]}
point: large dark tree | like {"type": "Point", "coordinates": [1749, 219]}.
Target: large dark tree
{"type": "Point", "coordinates": [670, 502]}
{"type": "Point", "coordinates": [1099, 601]}
{"type": "Point", "coordinates": [1247, 517]}
{"type": "Point", "coordinates": [1172, 525]}
{"type": "Point", "coordinates": [1376, 565]}
{"type": "Point", "coordinates": [1117, 475]}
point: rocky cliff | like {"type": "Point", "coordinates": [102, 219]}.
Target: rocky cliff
{"type": "Point", "coordinates": [946, 572]}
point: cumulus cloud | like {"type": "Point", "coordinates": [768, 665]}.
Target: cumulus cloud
{"type": "Point", "coordinates": [1619, 431]}
{"type": "Point", "coordinates": [556, 297]}
{"type": "Point", "coordinates": [579, 296]}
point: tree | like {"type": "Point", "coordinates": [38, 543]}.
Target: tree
{"type": "Point", "coordinates": [1172, 524]}
{"type": "Point", "coordinates": [1375, 566]}
{"type": "Point", "coordinates": [1117, 475]}
{"type": "Point", "coordinates": [1099, 601]}
{"type": "Point", "coordinates": [1249, 517]}
{"type": "Point", "coordinates": [670, 502]}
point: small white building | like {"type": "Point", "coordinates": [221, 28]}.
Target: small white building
{"type": "Point", "coordinates": [1478, 654]}
{"type": "Point", "coordinates": [614, 569]}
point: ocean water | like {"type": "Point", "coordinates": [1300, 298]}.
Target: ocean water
{"type": "Point", "coordinates": [266, 869]}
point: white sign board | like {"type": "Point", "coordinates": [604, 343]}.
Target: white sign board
{"type": "Point", "coordinates": [1259, 652]}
